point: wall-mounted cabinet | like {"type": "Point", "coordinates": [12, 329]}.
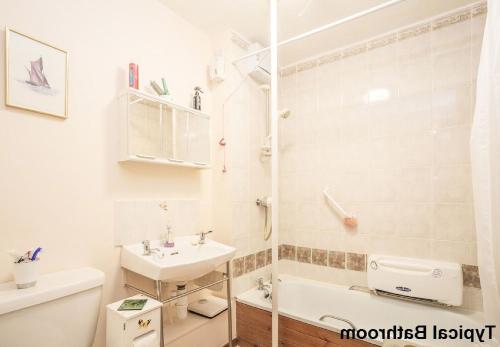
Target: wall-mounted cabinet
{"type": "Point", "coordinates": [158, 131]}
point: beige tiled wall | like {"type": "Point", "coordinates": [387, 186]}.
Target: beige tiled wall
{"type": "Point", "coordinates": [240, 120]}
{"type": "Point", "coordinates": [385, 124]}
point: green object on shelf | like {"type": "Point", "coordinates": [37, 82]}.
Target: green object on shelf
{"type": "Point", "coordinates": [165, 89]}
{"type": "Point", "coordinates": [132, 305]}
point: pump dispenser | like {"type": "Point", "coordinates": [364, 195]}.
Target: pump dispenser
{"type": "Point", "coordinates": [170, 237]}
{"type": "Point", "coordinates": [197, 98]}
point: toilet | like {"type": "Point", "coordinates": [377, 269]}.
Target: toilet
{"type": "Point", "coordinates": [60, 311]}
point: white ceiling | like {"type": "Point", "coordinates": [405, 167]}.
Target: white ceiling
{"type": "Point", "coordinates": [250, 18]}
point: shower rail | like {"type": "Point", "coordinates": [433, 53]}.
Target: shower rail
{"type": "Point", "coordinates": [323, 28]}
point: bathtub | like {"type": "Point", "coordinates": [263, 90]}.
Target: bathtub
{"type": "Point", "coordinates": [306, 301]}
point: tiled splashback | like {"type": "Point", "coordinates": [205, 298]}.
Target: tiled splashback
{"type": "Point", "coordinates": [385, 125]}
{"type": "Point", "coordinates": [137, 220]}
{"type": "Point", "coordinates": [323, 257]}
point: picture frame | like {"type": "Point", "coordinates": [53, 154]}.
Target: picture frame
{"type": "Point", "coordinates": [36, 75]}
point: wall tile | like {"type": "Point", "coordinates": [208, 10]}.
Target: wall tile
{"type": "Point", "coordinates": [304, 254]}
{"type": "Point", "coordinates": [269, 256]}
{"type": "Point", "coordinates": [260, 259]}
{"type": "Point", "coordinates": [288, 252]}
{"type": "Point", "coordinates": [453, 184]}
{"type": "Point", "coordinates": [454, 222]}
{"type": "Point", "coordinates": [464, 252]}
{"type": "Point", "coordinates": [452, 146]}
{"type": "Point", "coordinates": [319, 256]}
{"type": "Point", "coordinates": [452, 106]}
{"type": "Point", "coordinates": [382, 219]}
{"type": "Point", "coordinates": [414, 43]}
{"type": "Point", "coordinates": [356, 262]}
{"type": "Point", "coordinates": [336, 259]}
{"type": "Point", "coordinates": [238, 266]}
{"type": "Point", "coordinates": [415, 185]}
{"type": "Point", "coordinates": [471, 276]}
{"type": "Point", "coordinates": [416, 150]}
{"type": "Point", "coordinates": [414, 220]}
{"type": "Point", "coordinates": [249, 263]}
{"type": "Point", "coordinates": [451, 68]}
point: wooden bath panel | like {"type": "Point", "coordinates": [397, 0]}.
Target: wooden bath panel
{"type": "Point", "coordinates": [253, 326]}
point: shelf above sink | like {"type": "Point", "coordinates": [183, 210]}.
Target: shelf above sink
{"type": "Point", "coordinates": [184, 262]}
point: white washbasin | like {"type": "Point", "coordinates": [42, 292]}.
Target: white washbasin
{"type": "Point", "coordinates": [183, 262]}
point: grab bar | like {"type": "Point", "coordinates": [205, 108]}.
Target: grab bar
{"type": "Point", "coordinates": [335, 204]}
{"type": "Point", "coordinates": [348, 220]}
{"type": "Point", "coordinates": [351, 324]}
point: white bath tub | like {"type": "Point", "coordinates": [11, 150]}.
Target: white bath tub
{"type": "Point", "coordinates": [307, 301]}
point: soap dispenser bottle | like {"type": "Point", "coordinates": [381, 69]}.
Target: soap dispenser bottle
{"type": "Point", "coordinates": [197, 98]}
{"type": "Point", "coordinates": [170, 237]}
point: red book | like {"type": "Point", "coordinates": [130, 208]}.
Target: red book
{"type": "Point", "coordinates": [133, 75]}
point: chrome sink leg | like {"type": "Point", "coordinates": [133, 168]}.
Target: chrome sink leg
{"type": "Point", "coordinates": [159, 298]}
{"type": "Point", "coordinates": [229, 311]}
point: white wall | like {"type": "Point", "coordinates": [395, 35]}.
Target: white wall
{"type": "Point", "coordinates": [59, 178]}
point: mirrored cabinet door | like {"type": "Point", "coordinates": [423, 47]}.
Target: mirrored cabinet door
{"type": "Point", "coordinates": [181, 141]}
{"type": "Point", "coordinates": [145, 135]}
{"type": "Point", "coordinates": [199, 139]}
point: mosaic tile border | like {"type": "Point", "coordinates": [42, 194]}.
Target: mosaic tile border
{"type": "Point", "coordinates": [393, 37]}
{"type": "Point", "coordinates": [251, 262]}
{"type": "Point", "coordinates": [323, 257]}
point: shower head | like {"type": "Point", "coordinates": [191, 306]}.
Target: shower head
{"type": "Point", "coordinates": [284, 113]}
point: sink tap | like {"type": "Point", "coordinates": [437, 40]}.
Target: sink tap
{"type": "Point", "coordinates": [147, 247]}
{"type": "Point", "coordinates": [260, 283]}
{"type": "Point", "coordinates": [268, 293]}
{"type": "Point", "coordinates": [148, 250]}
{"type": "Point", "coordinates": [203, 235]}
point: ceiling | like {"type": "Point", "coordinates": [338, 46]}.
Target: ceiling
{"type": "Point", "coordinates": [250, 18]}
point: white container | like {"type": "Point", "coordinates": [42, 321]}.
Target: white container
{"type": "Point", "coordinates": [181, 304]}
{"type": "Point", "coordinates": [181, 310]}
{"type": "Point", "coordinates": [26, 274]}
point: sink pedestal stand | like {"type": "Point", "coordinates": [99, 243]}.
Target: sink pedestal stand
{"type": "Point", "coordinates": [159, 291]}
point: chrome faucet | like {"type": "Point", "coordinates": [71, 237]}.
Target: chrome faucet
{"type": "Point", "coordinates": [260, 283]}
{"type": "Point", "coordinates": [148, 250]}
{"type": "Point", "coordinates": [203, 235]}
{"type": "Point", "coordinates": [147, 247]}
{"type": "Point", "coordinates": [268, 292]}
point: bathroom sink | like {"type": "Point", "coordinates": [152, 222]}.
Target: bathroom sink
{"type": "Point", "coordinates": [183, 262]}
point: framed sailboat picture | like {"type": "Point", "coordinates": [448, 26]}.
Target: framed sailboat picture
{"type": "Point", "coordinates": [36, 75]}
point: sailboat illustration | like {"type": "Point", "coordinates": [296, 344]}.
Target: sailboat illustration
{"type": "Point", "coordinates": [37, 78]}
